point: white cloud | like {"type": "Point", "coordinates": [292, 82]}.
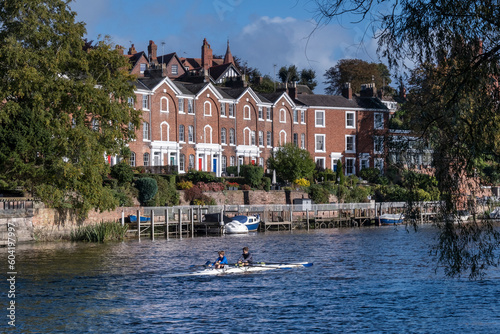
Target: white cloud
{"type": "Point", "coordinates": [286, 41]}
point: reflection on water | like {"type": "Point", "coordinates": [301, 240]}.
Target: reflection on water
{"type": "Point", "coordinates": [363, 280]}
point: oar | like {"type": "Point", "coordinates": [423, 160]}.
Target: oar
{"type": "Point", "coordinates": [200, 265]}
{"type": "Point", "coordinates": [262, 264]}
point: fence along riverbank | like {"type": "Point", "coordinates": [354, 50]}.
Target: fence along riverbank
{"type": "Point", "coordinates": [187, 221]}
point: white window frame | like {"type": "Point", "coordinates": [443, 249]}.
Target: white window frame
{"type": "Point", "coordinates": [296, 139]}
{"type": "Point", "coordinates": [316, 149]}
{"type": "Point", "coordinates": [269, 139]}
{"type": "Point", "coordinates": [346, 169]}
{"type": "Point", "coordinates": [232, 138]}
{"type": "Point", "coordinates": [247, 112]}
{"type": "Point", "coordinates": [209, 113]}
{"type": "Point", "coordinates": [146, 159]}
{"type": "Point", "coordinates": [378, 125]}
{"type": "Point", "coordinates": [167, 132]}
{"type": "Point", "coordinates": [191, 134]}
{"type": "Point", "coordinates": [261, 138]}
{"type": "Point", "coordinates": [162, 109]}
{"type": "Point", "coordinates": [142, 68]}
{"type": "Point", "coordinates": [191, 162]}
{"type": "Point", "coordinates": [269, 115]}
{"type": "Point", "coordinates": [303, 141]}
{"type": "Point", "coordinates": [282, 142]}
{"type": "Point", "coordinates": [303, 117]}
{"type": "Point", "coordinates": [379, 164]}
{"type": "Point", "coordinates": [378, 141]}
{"type": "Point", "coordinates": [181, 106]}
{"type": "Point", "coordinates": [282, 115]}
{"type": "Point", "coordinates": [320, 159]}
{"type": "Point", "coordinates": [146, 102]}
{"type": "Point", "coordinates": [232, 161]}
{"type": "Point", "coordinates": [347, 125]}
{"type": "Point", "coordinates": [182, 162]}
{"type": "Point", "coordinates": [261, 114]}
{"type": "Point", "coordinates": [295, 116]}
{"type": "Point", "coordinates": [231, 110]}
{"type": "Point", "coordinates": [175, 69]}
{"type": "Point", "coordinates": [223, 136]}
{"type": "Point", "coordinates": [207, 134]}
{"type": "Point", "coordinates": [132, 159]}
{"type": "Point", "coordinates": [252, 138]}
{"type": "Point", "coordinates": [223, 110]}
{"type": "Point", "coordinates": [353, 143]}
{"type": "Point", "coordinates": [145, 131]}
{"type": "Point", "coordinates": [182, 133]}
{"type": "Point", "coordinates": [190, 107]}
{"type": "Point", "coordinates": [223, 163]}
{"type": "Point", "coordinates": [362, 162]}
{"type": "Point", "coordinates": [316, 113]}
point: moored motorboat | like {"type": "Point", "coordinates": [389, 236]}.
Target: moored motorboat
{"type": "Point", "coordinates": [235, 227]}
{"type": "Point", "coordinates": [391, 218]}
{"type": "Point", "coordinates": [495, 214]}
{"type": "Point", "coordinates": [251, 222]}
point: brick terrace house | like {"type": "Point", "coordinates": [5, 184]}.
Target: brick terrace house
{"type": "Point", "coordinates": [199, 113]}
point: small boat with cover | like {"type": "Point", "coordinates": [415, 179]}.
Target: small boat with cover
{"type": "Point", "coordinates": [391, 218]}
{"type": "Point", "coordinates": [133, 218]}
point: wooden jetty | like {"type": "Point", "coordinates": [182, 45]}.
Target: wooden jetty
{"type": "Point", "coordinates": [187, 221]}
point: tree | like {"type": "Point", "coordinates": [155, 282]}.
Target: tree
{"type": "Point", "coordinates": [453, 104]}
{"type": "Point", "coordinates": [288, 74]}
{"type": "Point", "coordinates": [57, 120]}
{"type": "Point", "coordinates": [307, 78]}
{"type": "Point", "coordinates": [148, 187]}
{"type": "Point", "coordinates": [356, 72]}
{"type": "Point", "coordinates": [291, 163]}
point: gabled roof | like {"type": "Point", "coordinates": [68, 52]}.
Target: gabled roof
{"type": "Point", "coordinates": [216, 72]}
{"type": "Point", "coordinates": [276, 96]}
{"type": "Point", "coordinates": [135, 57]}
{"type": "Point", "coordinates": [327, 101]}
{"type": "Point", "coordinates": [153, 83]}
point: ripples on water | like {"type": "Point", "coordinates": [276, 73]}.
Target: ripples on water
{"type": "Point", "coordinates": [370, 280]}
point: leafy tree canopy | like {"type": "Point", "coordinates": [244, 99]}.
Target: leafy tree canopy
{"type": "Point", "coordinates": [291, 74]}
{"type": "Point", "coordinates": [356, 72]}
{"type": "Point", "coordinates": [291, 163]}
{"type": "Point", "coordinates": [63, 109]}
{"type": "Point", "coordinates": [452, 104]}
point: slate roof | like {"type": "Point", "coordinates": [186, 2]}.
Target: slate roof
{"type": "Point", "coordinates": [165, 59]}
{"type": "Point", "coordinates": [135, 57]}
{"type": "Point", "coordinates": [233, 93]}
{"type": "Point", "coordinates": [272, 97]}
{"type": "Point", "coordinates": [148, 82]}
{"type": "Point", "coordinates": [217, 71]}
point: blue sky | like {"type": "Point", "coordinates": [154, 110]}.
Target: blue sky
{"type": "Point", "coordinates": [264, 33]}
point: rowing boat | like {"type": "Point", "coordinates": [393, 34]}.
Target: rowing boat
{"type": "Point", "coordinates": [232, 269]}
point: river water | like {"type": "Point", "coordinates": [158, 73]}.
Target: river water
{"type": "Point", "coordinates": [368, 280]}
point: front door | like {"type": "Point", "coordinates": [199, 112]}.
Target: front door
{"type": "Point", "coordinates": [214, 169]}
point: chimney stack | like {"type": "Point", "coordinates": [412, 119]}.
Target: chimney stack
{"type": "Point", "coordinates": [368, 90]}
{"type": "Point", "coordinates": [206, 55]}
{"type": "Point", "coordinates": [120, 49]}
{"type": "Point", "coordinates": [347, 91]}
{"type": "Point", "coordinates": [132, 50]}
{"type": "Point", "coordinates": [152, 49]}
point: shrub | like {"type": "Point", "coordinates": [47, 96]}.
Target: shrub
{"type": "Point", "coordinates": [370, 174]}
{"type": "Point", "coordinates": [245, 187]}
{"type": "Point", "coordinates": [252, 174]}
{"type": "Point", "coordinates": [319, 194]}
{"type": "Point", "coordinates": [148, 187]}
{"type": "Point", "coordinates": [232, 170]}
{"type": "Point", "coordinates": [193, 193]}
{"type": "Point", "coordinates": [122, 172]}
{"type": "Point", "coordinates": [167, 193]}
{"type": "Point", "coordinates": [185, 185]}
{"type": "Point", "coordinates": [302, 182]}
{"type": "Point", "coordinates": [266, 183]}
{"type": "Point", "coordinates": [200, 176]}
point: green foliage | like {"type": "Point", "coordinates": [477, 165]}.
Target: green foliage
{"type": "Point", "coordinates": [266, 183]}
{"type": "Point", "coordinates": [124, 195]}
{"type": "Point", "coordinates": [291, 163]}
{"type": "Point", "coordinates": [148, 187]}
{"type": "Point", "coordinates": [307, 77]}
{"type": "Point", "coordinates": [184, 185]}
{"type": "Point", "coordinates": [253, 175]}
{"type": "Point", "coordinates": [167, 194]}
{"type": "Point", "coordinates": [101, 232]}
{"type": "Point", "coordinates": [122, 172]}
{"type": "Point", "coordinates": [340, 173]}
{"type": "Point", "coordinates": [200, 176]}
{"type": "Point", "coordinates": [356, 72]}
{"type": "Point", "coordinates": [319, 194]}
{"type": "Point", "coordinates": [288, 74]}
{"type": "Point", "coordinates": [265, 86]}
{"type": "Point", "coordinates": [369, 174]}
{"type": "Point", "coordinates": [232, 170]}
{"type": "Point", "coordinates": [195, 196]}
{"type": "Point", "coordinates": [51, 89]}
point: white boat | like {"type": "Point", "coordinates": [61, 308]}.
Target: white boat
{"type": "Point", "coordinates": [495, 214]}
{"type": "Point", "coordinates": [235, 227]}
{"type": "Point", "coordinates": [233, 269]}
{"type": "Point", "coordinates": [391, 218]}
{"type": "Point", "coordinates": [251, 222]}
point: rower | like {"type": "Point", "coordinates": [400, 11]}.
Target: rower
{"type": "Point", "coordinates": [245, 258]}
{"type": "Point", "coordinates": [220, 262]}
